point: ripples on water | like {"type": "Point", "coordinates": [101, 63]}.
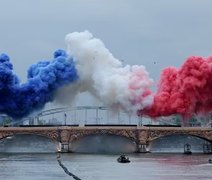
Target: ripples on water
{"type": "Point", "coordinates": [36, 166]}
{"type": "Point", "coordinates": [152, 166]}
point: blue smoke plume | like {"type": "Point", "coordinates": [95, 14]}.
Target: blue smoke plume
{"type": "Point", "coordinates": [18, 100]}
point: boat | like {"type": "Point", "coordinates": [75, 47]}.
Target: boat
{"type": "Point", "coordinates": [210, 161]}
{"type": "Point", "coordinates": [123, 159]}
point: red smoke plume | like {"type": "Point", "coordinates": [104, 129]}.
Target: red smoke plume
{"type": "Point", "coordinates": [184, 91]}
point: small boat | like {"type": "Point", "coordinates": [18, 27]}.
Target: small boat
{"type": "Point", "coordinates": [123, 159]}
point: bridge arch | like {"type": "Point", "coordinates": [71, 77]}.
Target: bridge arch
{"type": "Point", "coordinates": [50, 134]}
{"type": "Point", "coordinates": [130, 135]}
{"type": "Point", "coordinates": [30, 134]}
{"type": "Point", "coordinates": [28, 142]}
{"type": "Point", "coordinates": [158, 133]}
{"type": "Point", "coordinates": [170, 134]}
{"type": "Point", "coordinates": [103, 143]}
{"type": "Point", "coordinates": [186, 134]}
{"type": "Point", "coordinates": [176, 142]}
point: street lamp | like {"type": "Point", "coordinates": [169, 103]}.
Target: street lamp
{"type": "Point", "coordinates": [140, 122]}
{"type": "Point", "coordinates": [65, 116]}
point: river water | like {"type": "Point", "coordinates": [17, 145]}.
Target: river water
{"type": "Point", "coordinates": [150, 166]}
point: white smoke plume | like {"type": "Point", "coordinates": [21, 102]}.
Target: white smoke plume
{"type": "Point", "coordinates": [105, 77]}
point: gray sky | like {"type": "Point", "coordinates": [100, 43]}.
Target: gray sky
{"type": "Point", "coordinates": [136, 31]}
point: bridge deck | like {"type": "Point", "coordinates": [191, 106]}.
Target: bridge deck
{"type": "Point", "coordinates": [140, 134]}
{"type": "Point", "coordinates": [106, 127]}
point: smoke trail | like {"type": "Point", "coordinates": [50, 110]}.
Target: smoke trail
{"type": "Point", "coordinates": [18, 100]}
{"type": "Point", "coordinates": [185, 91]}
{"type": "Point", "coordinates": [105, 77]}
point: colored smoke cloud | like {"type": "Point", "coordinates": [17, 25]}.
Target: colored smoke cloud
{"type": "Point", "coordinates": [88, 66]}
{"type": "Point", "coordinates": [185, 91]}
{"type": "Point", "coordinates": [105, 77]}
{"type": "Point", "coordinates": [18, 100]}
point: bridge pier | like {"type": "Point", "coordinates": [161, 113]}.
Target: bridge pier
{"type": "Point", "coordinates": [207, 148]}
{"type": "Point", "coordinates": [141, 148]}
{"type": "Point", "coordinates": [64, 147]}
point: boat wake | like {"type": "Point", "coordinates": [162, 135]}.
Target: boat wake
{"type": "Point", "coordinates": [66, 169]}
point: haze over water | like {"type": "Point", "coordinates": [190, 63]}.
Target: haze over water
{"type": "Point", "coordinates": [152, 166]}
{"type": "Point", "coordinates": [22, 159]}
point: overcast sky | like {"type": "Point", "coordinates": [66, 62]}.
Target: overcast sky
{"type": "Point", "coordinates": [136, 31]}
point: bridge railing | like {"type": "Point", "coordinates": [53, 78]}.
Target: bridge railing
{"type": "Point", "coordinates": [100, 115]}
{"type": "Point", "coordinates": [82, 115]}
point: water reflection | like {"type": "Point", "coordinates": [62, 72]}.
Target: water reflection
{"type": "Point", "coordinates": [149, 166]}
{"type": "Point", "coordinates": [103, 167]}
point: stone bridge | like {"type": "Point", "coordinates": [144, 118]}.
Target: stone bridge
{"type": "Point", "coordinates": [142, 136]}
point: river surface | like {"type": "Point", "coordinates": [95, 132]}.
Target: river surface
{"type": "Point", "coordinates": [151, 166]}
